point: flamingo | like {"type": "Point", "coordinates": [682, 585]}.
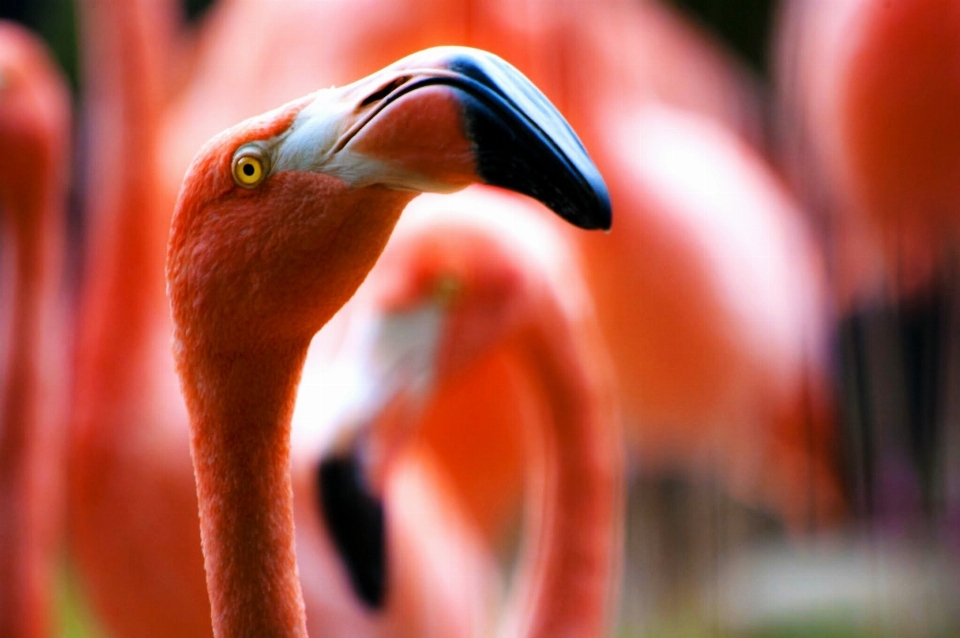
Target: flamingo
{"type": "Point", "coordinates": [473, 276]}
{"type": "Point", "coordinates": [873, 87]}
{"type": "Point", "coordinates": [710, 288]}
{"type": "Point", "coordinates": [754, 413]}
{"type": "Point", "coordinates": [765, 297]}
{"type": "Point", "coordinates": [34, 132]}
{"type": "Point", "coordinates": [321, 182]}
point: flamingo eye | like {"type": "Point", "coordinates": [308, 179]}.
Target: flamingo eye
{"type": "Point", "coordinates": [249, 167]}
{"type": "Point", "coordinates": [446, 289]}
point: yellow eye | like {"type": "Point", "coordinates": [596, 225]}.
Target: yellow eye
{"type": "Point", "coordinates": [249, 167]}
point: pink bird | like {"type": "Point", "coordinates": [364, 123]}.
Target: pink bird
{"type": "Point", "coordinates": [468, 279]}
{"type": "Point", "coordinates": [873, 88]}
{"type": "Point", "coordinates": [321, 183]}
{"type": "Point", "coordinates": [34, 136]}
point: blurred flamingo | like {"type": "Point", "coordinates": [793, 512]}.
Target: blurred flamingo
{"type": "Point", "coordinates": [872, 88]}
{"type": "Point", "coordinates": [34, 135]}
{"type": "Point", "coordinates": [472, 286]}
{"type": "Point", "coordinates": [130, 478]}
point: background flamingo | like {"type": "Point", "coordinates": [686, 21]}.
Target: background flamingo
{"type": "Point", "coordinates": [873, 89]}
{"type": "Point", "coordinates": [456, 275]}
{"type": "Point", "coordinates": [34, 136]}
{"type": "Point", "coordinates": [130, 474]}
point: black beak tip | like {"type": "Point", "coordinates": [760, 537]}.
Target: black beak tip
{"type": "Point", "coordinates": [585, 203]}
{"type": "Point", "coordinates": [604, 216]}
{"type": "Point", "coordinates": [522, 143]}
{"type": "Point", "coordinates": [356, 523]}
{"type": "Point", "coordinates": [598, 213]}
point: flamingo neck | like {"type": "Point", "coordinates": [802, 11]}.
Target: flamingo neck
{"type": "Point", "coordinates": [568, 586]}
{"type": "Point", "coordinates": [124, 296]}
{"type": "Point", "coordinates": [242, 404]}
{"type": "Point", "coordinates": [29, 451]}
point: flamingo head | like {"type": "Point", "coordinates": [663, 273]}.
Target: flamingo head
{"type": "Point", "coordinates": [280, 218]}
{"type": "Point", "coordinates": [468, 288]}
{"type": "Point", "coordinates": [34, 115]}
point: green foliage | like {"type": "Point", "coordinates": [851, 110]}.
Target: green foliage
{"type": "Point", "coordinates": [58, 26]}
{"type": "Point", "coordinates": [55, 22]}
{"type": "Point", "coordinates": [74, 619]}
{"type": "Point", "coordinates": [195, 8]}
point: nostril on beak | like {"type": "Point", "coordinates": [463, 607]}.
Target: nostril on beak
{"type": "Point", "coordinates": [384, 90]}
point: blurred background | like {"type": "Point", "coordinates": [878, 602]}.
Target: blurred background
{"type": "Point", "coordinates": [745, 28]}
{"type": "Point", "coordinates": [819, 497]}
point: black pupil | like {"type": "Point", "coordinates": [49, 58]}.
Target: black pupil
{"type": "Point", "coordinates": [248, 169]}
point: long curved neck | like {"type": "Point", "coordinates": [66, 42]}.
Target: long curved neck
{"type": "Point", "coordinates": [569, 585]}
{"type": "Point", "coordinates": [123, 291]}
{"type": "Point", "coordinates": [241, 405]}
{"type": "Point", "coordinates": [29, 450]}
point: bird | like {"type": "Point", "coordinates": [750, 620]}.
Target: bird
{"type": "Point", "coordinates": [870, 88]}
{"type": "Point", "coordinates": [133, 512]}
{"type": "Point", "coordinates": [249, 289]}
{"type": "Point", "coordinates": [471, 277]}
{"type": "Point", "coordinates": [34, 135]}
{"type": "Point", "coordinates": [99, 450]}
{"type": "Point", "coordinates": [707, 226]}
{"type": "Point", "coordinates": [751, 421]}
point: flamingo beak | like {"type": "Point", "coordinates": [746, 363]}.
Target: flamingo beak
{"type": "Point", "coordinates": [395, 355]}
{"type": "Point", "coordinates": [442, 119]}
{"type": "Point", "coordinates": [523, 144]}
{"type": "Point", "coordinates": [355, 520]}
